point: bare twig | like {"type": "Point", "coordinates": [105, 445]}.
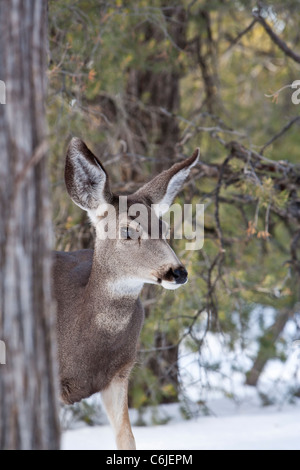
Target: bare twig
{"type": "Point", "coordinates": [281, 133]}
{"type": "Point", "coordinates": [276, 93]}
{"type": "Point", "coordinates": [241, 34]}
{"type": "Point", "coordinates": [217, 194]}
{"type": "Point", "coordinates": [294, 246]}
{"type": "Point", "coordinates": [276, 39]}
{"type": "Point", "coordinates": [38, 154]}
{"type": "Point", "coordinates": [208, 79]}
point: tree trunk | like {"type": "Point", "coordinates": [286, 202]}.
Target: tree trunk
{"type": "Point", "coordinates": [28, 381]}
{"type": "Point", "coordinates": [155, 124]}
{"type": "Point", "coordinates": [267, 348]}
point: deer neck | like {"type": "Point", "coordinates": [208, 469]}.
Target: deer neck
{"type": "Point", "coordinates": [107, 283]}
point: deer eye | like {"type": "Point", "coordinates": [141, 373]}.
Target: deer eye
{"type": "Point", "coordinates": [125, 233]}
{"type": "Point", "coordinates": [130, 233]}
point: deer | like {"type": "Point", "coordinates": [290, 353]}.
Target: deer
{"type": "Point", "coordinates": [99, 312]}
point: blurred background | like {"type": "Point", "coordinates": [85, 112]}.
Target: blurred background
{"type": "Point", "coordinates": [144, 84]}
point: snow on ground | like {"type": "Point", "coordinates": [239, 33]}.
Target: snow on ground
{"type": "Point", "coordinates": [244, 428]}
{"type": "Point", "coordinates": [239, 423]}
{"type": "Point", "coordinates": [218, 369]}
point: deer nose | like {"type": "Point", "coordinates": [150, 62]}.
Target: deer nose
{"type": "Point", "coordinates": [180, 275]}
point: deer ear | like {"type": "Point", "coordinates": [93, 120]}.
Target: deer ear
{"type": "Point", "coordinates": [162, 189]}
{"type": "Point", "coordinates": [86, 180]}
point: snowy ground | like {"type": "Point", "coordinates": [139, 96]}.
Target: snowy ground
{"type": "Point", "coordinates": [265, 429]}
{"type": "Point", "coordinates": [245, 428]}
{"type": "Point", "coordinates": [234, 424]}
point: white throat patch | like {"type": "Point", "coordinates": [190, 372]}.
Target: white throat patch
{"type": "Point", "coordinates": [125, 287]}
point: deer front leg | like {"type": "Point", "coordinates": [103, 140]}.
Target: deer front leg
{"type": "Point", "coordinates": [115, 400]}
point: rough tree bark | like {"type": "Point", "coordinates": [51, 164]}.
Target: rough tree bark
{"type": "Point", "coordinates": [28, 381]}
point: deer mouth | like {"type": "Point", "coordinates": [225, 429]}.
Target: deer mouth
{"type": "Point", "coordinates": [171, 277]}
{"type": "Point", "coordinates": [170, 285]}
{"type": "Point", "coordinates": [172, 282]}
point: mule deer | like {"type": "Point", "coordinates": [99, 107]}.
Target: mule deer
{"type": "Point", "coordinates": [100, 315]}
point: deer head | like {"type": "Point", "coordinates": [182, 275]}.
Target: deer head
{"type": "Point", "coordinates": [135, 254]}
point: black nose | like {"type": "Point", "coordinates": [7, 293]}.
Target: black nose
{"type": "Point", "coordinates": [180, 275]}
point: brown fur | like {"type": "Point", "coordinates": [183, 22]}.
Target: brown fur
{"type": "Point", "coordinates": [91, 354]}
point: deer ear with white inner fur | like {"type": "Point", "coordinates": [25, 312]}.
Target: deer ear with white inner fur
{"type": "Point", "coordinates": [162, 189]}
{"type": "Point", "coordinates": [86, 179]}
